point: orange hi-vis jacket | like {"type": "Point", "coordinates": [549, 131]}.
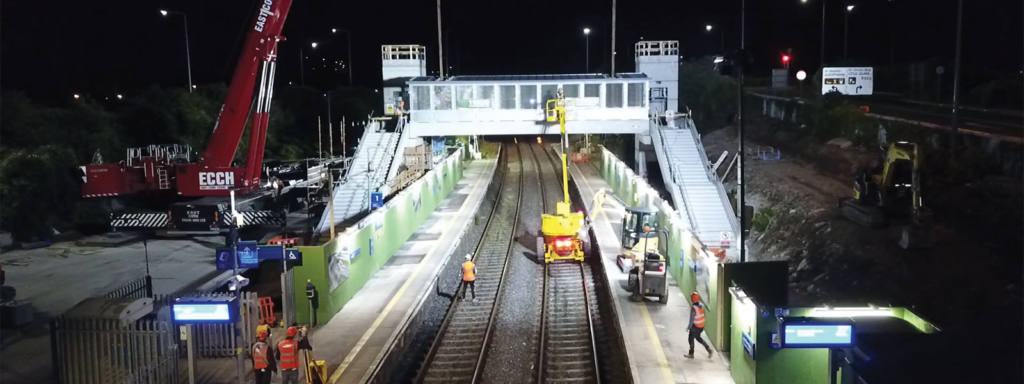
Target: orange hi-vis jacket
{"type": "Point", "coordinates": [698, 316]}
{"type": "Point", "coordinates": [289, 350]}
{"type": "Point", "coordinates": [468, 271]}
{"type": "Point", "coordinates": [260, 359]}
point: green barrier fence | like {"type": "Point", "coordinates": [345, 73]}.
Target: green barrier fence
{"type": "Point", "coordinates": [691, 264]}
{"type": "Point", "coordinates": [342, 266]}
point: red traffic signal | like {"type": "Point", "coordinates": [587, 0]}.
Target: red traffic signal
{"type": "Point", "coordinates": [785, 58]}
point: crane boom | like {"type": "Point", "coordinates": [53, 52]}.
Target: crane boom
{"type": "Point", "coordinates": [257, 61]}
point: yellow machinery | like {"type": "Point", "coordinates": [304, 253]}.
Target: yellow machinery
{"type": "Point", "coordinates": [561, 240]}
{"type": "Point", "coordinates": [892, 192]}
{"type": "Point", "coordinates": [639, 230]}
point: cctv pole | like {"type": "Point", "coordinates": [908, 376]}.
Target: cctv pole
{"type": "Point", "coordinates": [233, 227]}
{"type": "Point", "coordinates": [440, 46]}
{"type": "Point", "coordinates": [956, 81]}
{"type": "Point", "coordinates": [613, 38]}
{"type": "Point", "coordinates": [739, 169]}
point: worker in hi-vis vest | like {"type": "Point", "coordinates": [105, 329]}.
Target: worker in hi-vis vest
{"type": "Point", "coordinates": [469, 276]}
{"type": "Point", "coordinates": [288, 352]}
{"type": "Point", "coordinates": [263, 359]}
{"type": "Point", "coordinates": [696, 325]}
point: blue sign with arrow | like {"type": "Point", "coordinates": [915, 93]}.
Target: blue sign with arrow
{"type": "Point", "coordinates": [293, 257]}
{"type": "Point", "coordinates": [224, 259]}
{"type": "Point", "coordinates": [376, 200]}
{"type": "Point", "coordinates": [248, 254]}
{"type": "Point", "coordinates": [271, 252]}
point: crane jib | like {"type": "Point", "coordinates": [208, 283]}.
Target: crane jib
{"type": "Point", "coordinates": [261, 19]}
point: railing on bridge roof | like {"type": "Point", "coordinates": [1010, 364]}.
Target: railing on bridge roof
{"type": "Point", "coordinates": [517, 98]}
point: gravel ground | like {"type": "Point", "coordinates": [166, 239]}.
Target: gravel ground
{"type": "Point", "coordinates": [448, 283]}
{"type": "Point", "coordinates": [513, 349]}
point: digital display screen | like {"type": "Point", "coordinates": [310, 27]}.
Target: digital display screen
{"type": "Point", "coordinates": [814, 335]}
{"type": "Point", "coordinates": [201, 312]}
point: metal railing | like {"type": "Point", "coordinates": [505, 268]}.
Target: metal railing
{"type": "Point", "coordinates": [138, 288]}
{"type": "Point", "coordinates": [681, 187]}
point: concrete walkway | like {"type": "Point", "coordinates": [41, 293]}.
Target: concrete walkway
{"type": "Point", "coordinates": [655, 334]}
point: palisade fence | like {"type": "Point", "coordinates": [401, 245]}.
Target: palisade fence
{"type": "Point", "coordinates": [107, 351]}
{"type": "Point", "coordinates": [147, 351]}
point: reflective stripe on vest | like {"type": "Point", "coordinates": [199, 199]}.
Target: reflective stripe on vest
{"type": "Point", "coordinates": [259, 355]}
{"type": "Point", "coordinates": [698, 317]}
{"type": "Point", "coordinates": [467, 271]}
{"type": "Point", "coordinates": [289, 354]}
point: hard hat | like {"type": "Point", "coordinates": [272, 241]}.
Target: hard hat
{"type": "Point", "coordinates": [694, 297]}
{"type": "Point", "coordinates": [263, 334]}
{"type": "Point", "coordinates": [292, 331]}
{"type": "Point", "coordinates": [469, 257]}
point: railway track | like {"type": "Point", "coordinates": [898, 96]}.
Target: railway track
{"type": "Point", "coordinates": [568, 351]}
{"type": "Point", "coordinates": [460, 348]}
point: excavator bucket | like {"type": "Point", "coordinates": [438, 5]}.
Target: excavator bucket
{"type": "Point", "coordinates": [866, 215]}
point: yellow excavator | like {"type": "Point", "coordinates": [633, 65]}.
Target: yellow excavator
{"type": "Point", "coordinates": [893, 190]}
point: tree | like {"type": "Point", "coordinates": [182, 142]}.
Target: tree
{"type": "Point", "coordinates": [38, 190]}
{"type": "Point", "coordinates": [710, 96]}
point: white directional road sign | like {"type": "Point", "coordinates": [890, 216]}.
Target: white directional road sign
{"type": "Point", "coordinates": [848, 80]}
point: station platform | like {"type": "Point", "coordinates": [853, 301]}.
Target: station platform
{"type": "Point", "coordinates": [357, 337]}
{"type": "Point", "coordinates": [655, 334]}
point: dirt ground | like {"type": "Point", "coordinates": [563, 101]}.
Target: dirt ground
{"type": "Point", "coordinates": [975, 266]}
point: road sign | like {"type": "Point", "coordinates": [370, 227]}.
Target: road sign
{"type": "Point", "coordinates": [376, 200]}
{"type": "Point", "coordinates": [848, 80]}
{"type": "Point", "coordinates": [293, 256]}
{"type": "Point", "coordinates": [248, 254]}
{"type": "Point", "coordinates": [271, 252]}
{"type": "Point", "coordinates": [224, 259]}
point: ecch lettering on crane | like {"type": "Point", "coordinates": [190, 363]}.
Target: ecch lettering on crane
{"type": "Point", "coordinates": [216, 180]}
{"type": "Point", "coordinates": [261, 20]}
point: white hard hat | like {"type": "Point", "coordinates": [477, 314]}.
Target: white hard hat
{"type": "Point", "coordinates": [469, 257]}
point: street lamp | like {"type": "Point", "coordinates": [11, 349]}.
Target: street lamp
{"type": "Point", "coordinates": [313, 44]}
{"type": "Point", "coordinates": [586, 32]}
{"type": "Point", "coordinates": [76, 96]}
{"type": "Point", "coordinates": [188, 56]}
{"type": "Point", "coordinates": [721, 33]}
{"type": "Point", "coordinates": [348, 48]}
{"type": "Point", "coordinates": [119, 97]}
{"type": "Point", "coordinates": [846, 32]}
{"type": "Point", "coordinates": [823, 2]}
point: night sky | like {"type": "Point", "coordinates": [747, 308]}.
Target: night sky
{"type": "Point", "coordinates": [50, 49]}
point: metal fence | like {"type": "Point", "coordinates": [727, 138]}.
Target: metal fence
{"type": "Point", "coordinates": [138, 288]}
{"type": "Point", "coordinates": [218, 340]}
{"type": "Point", "coordinates": [105, 351]}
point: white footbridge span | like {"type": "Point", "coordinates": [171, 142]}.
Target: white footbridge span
{"type": "Point", "coordinates": [424, 108]}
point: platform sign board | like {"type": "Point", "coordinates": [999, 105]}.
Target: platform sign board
{"type": "Point", "coordinates": [204, 310]}
{"type": "Point", "coordinates": [248, 254]}
{"type": "Point", "coordinates": [817, 335]}
{"type": "Point", "coordinates": [855, 81]}
{"type": "Point", "coordinates": [293, 256]}
{"type": "Point", "coordinates": [748, 345]}
{"type": "Point", "coordinates": [270, 252]}
{"type": "Point", "coordinates": [224, 262]}
{"type": "Point", "coordinates": [376, 200]}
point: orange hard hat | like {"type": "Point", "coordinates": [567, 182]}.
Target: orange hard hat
{"type": "Point", "coordinates": [292, 331]}
{"type": "Point", "coordinates": [694, 297]}
{"type": "Point", "coordinates": [263, 334]}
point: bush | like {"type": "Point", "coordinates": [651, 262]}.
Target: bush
{"type": "Point", "coordinates": [762, 218]}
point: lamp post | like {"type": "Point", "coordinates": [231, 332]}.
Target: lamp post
{"type": "Point", "coordinates": [188, 57]}
{"type": "Point", "coordinates": [823, 2]}
{"type": "Point", "coordinates": [586, 32]}
{"type": "Point", "coordinates": [739, 113]}
{"type": "Point", "coordinates": [846, 32]}
{"type": "Point", "coordinates": [348, 48]}
{"type": "Point", "coordinates": [721, 33]}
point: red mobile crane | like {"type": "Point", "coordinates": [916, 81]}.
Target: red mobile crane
{"type": "Point", "coordinates": [168, 168]}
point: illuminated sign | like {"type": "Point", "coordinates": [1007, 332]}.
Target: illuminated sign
{"type": "Point", "coordinates": [848, 81]}
{"type": "Point", "coordinates": [204, 310]}
{"type": "Point", "coordinates": [817, 335]}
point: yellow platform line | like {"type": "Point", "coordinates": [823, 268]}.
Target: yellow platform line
{"type": "Point", "coordinates": [401, 291]}
{"type": "Point", "coordinates": [659, 353]}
